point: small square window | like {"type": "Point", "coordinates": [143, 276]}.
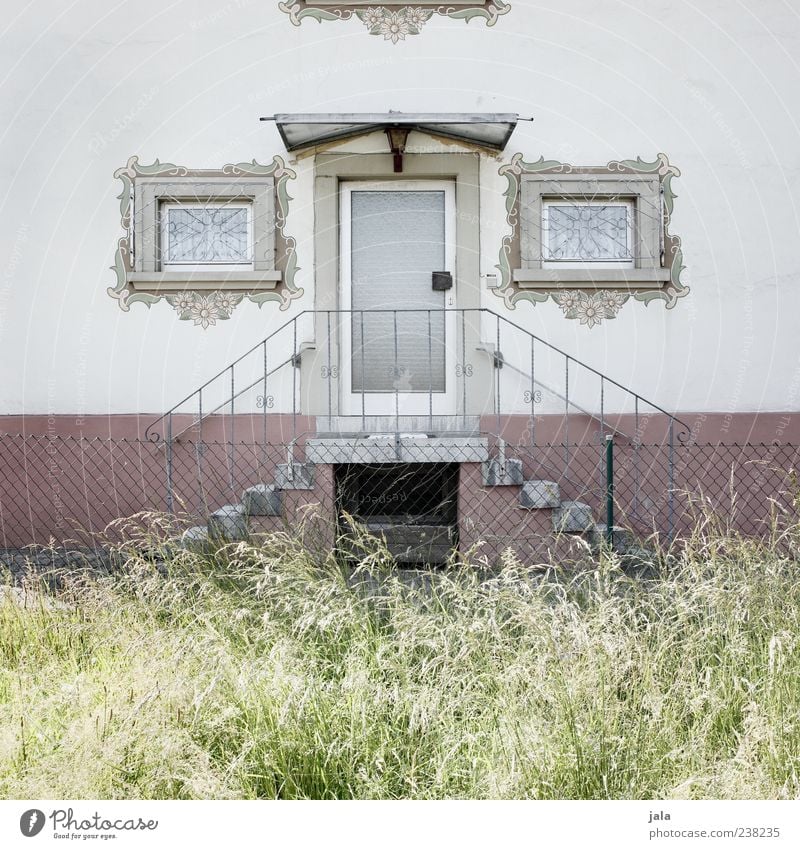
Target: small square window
{"type": "Point", "coordinates": [595, 228]}
{"type": "Point", "coordinates": [204, 231]}
{"type": "Point", "coordinates": [587, 234]}
{"type": "Point", "coordinates": [195, 236]}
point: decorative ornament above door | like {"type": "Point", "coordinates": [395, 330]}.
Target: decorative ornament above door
{"type": "Point", "coordinates": [394, 21]}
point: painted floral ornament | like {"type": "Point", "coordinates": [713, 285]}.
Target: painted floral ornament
{"type": "Point", "coordinates": [394, 23]}
{"type": "Point", "coordinates": [394, 26]}
{"type": "Point", "coordinates": [590, 308]}
{"type": "Point", "coordinates": [204, 309]}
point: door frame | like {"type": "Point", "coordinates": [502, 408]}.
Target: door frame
{"type": "Point", "coordinates": [396, 402]}
{"type": "Point", "coordinates": [319, 393]}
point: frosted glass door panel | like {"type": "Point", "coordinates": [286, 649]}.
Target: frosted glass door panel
{"type": "Point", "coordinates": [397, 241]}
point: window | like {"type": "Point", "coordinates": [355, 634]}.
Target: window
{"type": "Point", "coordinates": [584, 234]}
{"type": "Point", "coordinates": [199, 236]}
{"type": "Point", "coordinates": [590, 238]}
{"type": "Point", "coordinates": [206, 240]}
{"type": "Point", "coordinates": [204, 231]}
{"type": "Point", "coordinates": [591, 230]}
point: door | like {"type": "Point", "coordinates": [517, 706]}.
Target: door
{"type": "Point", "coordinates": [398, 330]}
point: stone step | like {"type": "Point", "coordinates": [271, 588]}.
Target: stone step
{"type": "Point", "coordinates": [623, 538]}
{"type": "Point", "coordinates": [407, 448]}
{"type": "Point", "coordinates": [436, 425]}
{"type": "Point", "coordinates": [497, 473]}
{"type": "Point", "coordinates": [415, 543]}
{"type": "Point", "coordinates": [539, 495]}
{"type": "Point", "coordinates": [228, 524]}
{"type": "Point", "coordinates": [294, 476]}
{"type": "Point", "coordinates": [196, 540]}
{"type": "Point", "coordinates": [573, 517]}
{"type": "Point", "coordinates": [635, 554]}
{"type": "Point", "coordinates": [264, 499]}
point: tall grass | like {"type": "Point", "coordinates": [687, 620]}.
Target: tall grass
{"type": "Point", "coordinates": [259, 672]}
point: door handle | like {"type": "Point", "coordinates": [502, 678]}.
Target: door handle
{"type": "Point", "coordinates": [441, 281]}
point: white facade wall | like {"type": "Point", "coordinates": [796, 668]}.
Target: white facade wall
{"type": "Point", "coordinates": [713, 85]}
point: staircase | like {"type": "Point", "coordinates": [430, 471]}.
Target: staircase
{"type": "Point", "coordinates": [263, 509]}
{"type": "Point", "coordinates": [285, 393]}
{"type": "Point", "coordinates": [567, 516]}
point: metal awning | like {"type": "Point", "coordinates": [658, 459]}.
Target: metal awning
{"type": "Point", "coordinates": [490, 130]}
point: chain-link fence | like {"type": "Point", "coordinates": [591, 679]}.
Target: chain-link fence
{"type": "Point", "coordinates": [455, 495]}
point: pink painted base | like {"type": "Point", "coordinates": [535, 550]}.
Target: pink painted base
{"type": "Point", "coordinates": [727, 428]}
{"type": "Point", "coordinates": [67, 478]}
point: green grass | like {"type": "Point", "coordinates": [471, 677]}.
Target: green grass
{"type": "Point", "coordinates": [260, 673]}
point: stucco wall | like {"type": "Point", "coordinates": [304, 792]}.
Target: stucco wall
{"type": "Point", "coordinates": [712, 85]}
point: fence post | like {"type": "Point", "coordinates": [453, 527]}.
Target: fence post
{"type": "Point", "coordinates": [671, 462]}
{"type": "Point", "coordinates": [170, 501]}
{"type": "Point", "coordinates": [610, 490]}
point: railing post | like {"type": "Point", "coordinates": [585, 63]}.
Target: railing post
{"type": "Point", "coordinates": [610, 490]}
{"type": "Point", "coordinates": [430, 369]}
{"type": "Point", "coordinates": [603, 468]}
{"type": "Point", "coordinates": [396, 375]}
{"type": "Point", "coordinates": [295, 366]}
{"type": "Point", "coordinates": [170, 496]}
{"type": "Point", "coordinates": [264, 402]}
{"type": "Point", "coordinates": [363, 377]}
{"type": "Point", "coordinates": [636, 445]}
{"type": "Point", "coordinates": [533, 393]}
{"type": "Point", "coordinates": [497, 374]}
{"type": "Point", "coordinates": [232, 442]}
{"type": "Point", "coordinates": [566, 415]}
{"type": "Point", "coordinates": [464, 370]}
{"type": "Point", "coordinates": [199, 451]}
{"type": "Point", "coordinates": [330, 373]}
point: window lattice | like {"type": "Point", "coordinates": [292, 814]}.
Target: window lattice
{"type": "Point", "coordinates": [207, 234]}
{"type": "Point", "coordinates": [585, 232]}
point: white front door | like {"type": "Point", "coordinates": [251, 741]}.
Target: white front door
{"type": "Point", "coordinates": [398, 332]}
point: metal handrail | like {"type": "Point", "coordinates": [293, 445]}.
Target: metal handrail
{"type": "Point", "coordinates": [224, 403]}
{"type": "Point", "coordinates": [149, 436]}
{"type": "Point", "coordinates": [555, 393]}
{"type": "Point", "coordinates": [166, 418]}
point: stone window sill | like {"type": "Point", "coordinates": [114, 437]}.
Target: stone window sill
{"type": "Point", "coordinates": [618, 278]}
{"type": "Point", "coordinates": [170, 281]}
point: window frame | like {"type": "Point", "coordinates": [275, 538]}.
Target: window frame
{"type": "Point", "coordinates": [275, 278]}
{"type": "Point", "coordinates": [149, 274]}
{"type": "Point", "coordinates": [643, 191]}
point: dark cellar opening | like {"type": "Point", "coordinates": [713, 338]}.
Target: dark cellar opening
{"type": "Point", "coordinates": [413, 506]}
